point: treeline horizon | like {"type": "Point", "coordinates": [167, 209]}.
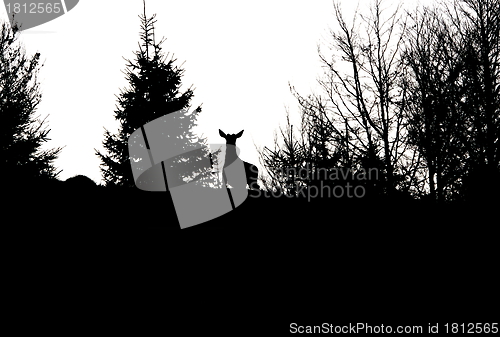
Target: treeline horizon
{"type": "Point", "coordinates": [413, 94]}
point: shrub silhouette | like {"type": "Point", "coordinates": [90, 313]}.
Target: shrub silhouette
{"type": "Point", "coordinates": [80, 182]}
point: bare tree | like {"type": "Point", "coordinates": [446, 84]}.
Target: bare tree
{"type": "Point", "coordinates": [357, 121]}
{"type": "Point", "coordinates": [437, 126]}
{"type": "Point", "coordinates": [452, 53]}
{"type": "Point", "coordinates": [365, 96]}
{"type": "Point", "coordinates": [479, 25]}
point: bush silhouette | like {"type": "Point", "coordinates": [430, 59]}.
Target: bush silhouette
{"type": "Point", "coordinates": [80, 182]}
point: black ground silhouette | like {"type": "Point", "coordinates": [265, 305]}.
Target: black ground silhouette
{"type": "Point", "coordinates": [77, 203]}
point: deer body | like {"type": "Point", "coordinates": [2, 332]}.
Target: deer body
{"type": "Point", "coordinates": [251, 171]}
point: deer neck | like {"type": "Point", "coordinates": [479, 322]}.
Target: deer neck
{"type": "Point", "coordinates": [231, 154]}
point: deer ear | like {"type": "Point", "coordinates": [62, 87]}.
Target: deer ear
{"type": "Point", "coordinates": [222, 134]}
{"type": "Point", "coordinates": [239, 134]}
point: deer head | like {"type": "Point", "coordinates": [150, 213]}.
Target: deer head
{"type": "Point", "coordinates": [231, 138]}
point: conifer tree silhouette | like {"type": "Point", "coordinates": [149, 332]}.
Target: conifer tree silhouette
{"type": "Point", "coordinates": [154, 91]}
{"type": "Point", "coordinates": [22, 132]}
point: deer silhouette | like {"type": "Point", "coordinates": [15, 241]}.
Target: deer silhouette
{"type": "Point", "coordinates": [251, 171]}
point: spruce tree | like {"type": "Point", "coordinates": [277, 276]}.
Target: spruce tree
{"type": "Point", "coordinates": [22, 133]}
{"type": "Point", "coordinates": [154, 91]}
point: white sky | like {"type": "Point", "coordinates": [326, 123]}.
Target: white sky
{"type": "Point", "coordinates": [238, 55]}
